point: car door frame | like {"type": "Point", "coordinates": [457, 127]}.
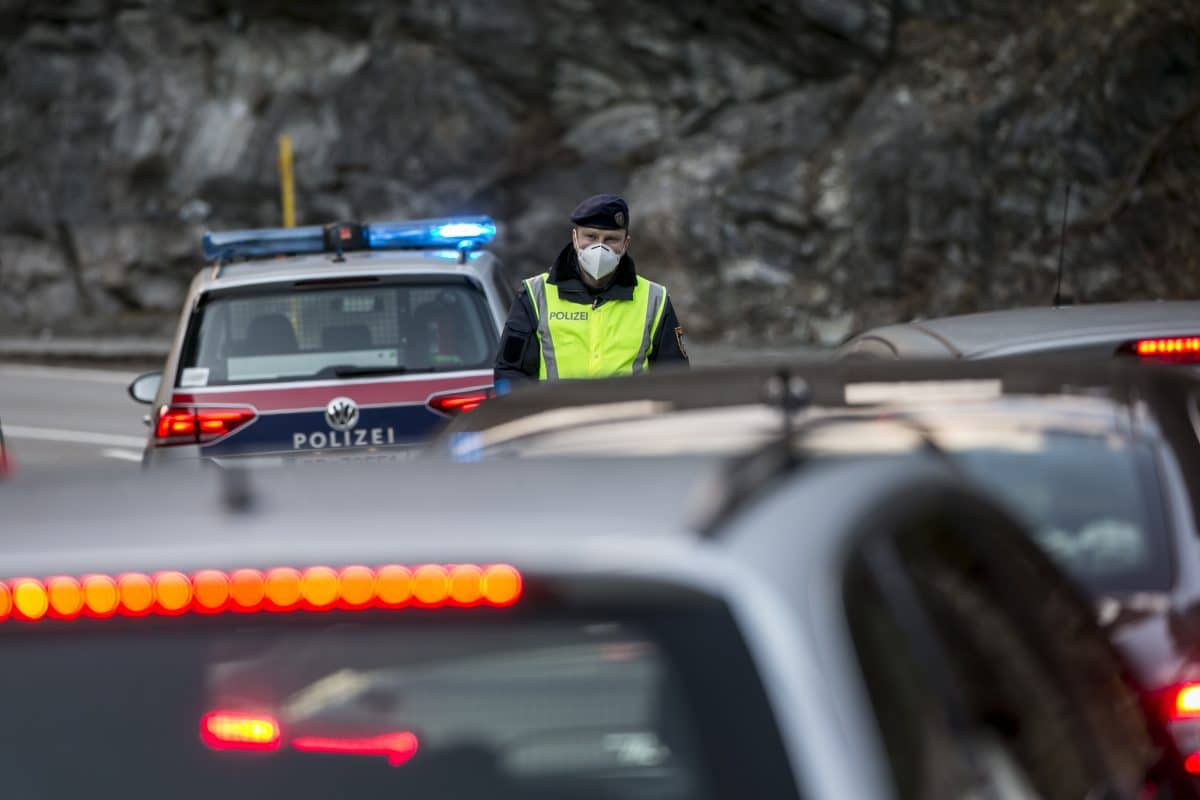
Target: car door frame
{"type": "Point", "coordinates": [989, 533]}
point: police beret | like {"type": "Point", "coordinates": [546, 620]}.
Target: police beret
{"type": "Point", "coordinates": [604, 211]}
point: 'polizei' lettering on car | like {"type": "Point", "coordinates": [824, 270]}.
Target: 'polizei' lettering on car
{"type": "Point", "coordinates": [363, 437]}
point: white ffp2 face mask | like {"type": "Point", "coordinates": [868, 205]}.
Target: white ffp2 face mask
{"type": "Point", "coordinates": [598, 260]}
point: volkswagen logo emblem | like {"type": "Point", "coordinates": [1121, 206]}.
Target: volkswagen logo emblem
{"type": "Point", "coordinates": [341, 413]}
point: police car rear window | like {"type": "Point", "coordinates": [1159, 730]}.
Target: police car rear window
{"type": "Point", "coordinates": [320, 332]}
{"type": "Point", "coordinates": [596, 707]}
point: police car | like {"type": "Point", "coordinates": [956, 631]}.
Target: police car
{"type": "Point", "coordinates": [328, 340]}
{"type": "Point", "coordinates": [1158, 331]}
{"type": "Point", "coordinates": [845, 632]}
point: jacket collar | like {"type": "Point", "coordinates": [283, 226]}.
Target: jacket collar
{"type": "Point", "coordinates": [565, 274]}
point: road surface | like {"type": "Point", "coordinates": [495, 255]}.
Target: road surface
{"type": "Point", "coordinates": [60, 418]}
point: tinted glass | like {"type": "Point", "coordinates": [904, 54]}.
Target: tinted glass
{"type": "Point", "coordinates": [440, 708]}
{"type": "Point", "coordinates": [926, 758]}
{"type": "Point", "coordinates": [1041, 690]}
{"type": "Point", "coordinates": [1089, 500]}
{"type": "Point", "coordinates": [307, 333]}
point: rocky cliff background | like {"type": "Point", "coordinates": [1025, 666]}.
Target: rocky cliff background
{"type": "Point", "coordinates": [797, 169]}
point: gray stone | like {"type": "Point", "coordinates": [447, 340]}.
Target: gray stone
{"type": "Point", "coordinates": [791, 164]}
{"type": "Point", "coordinates": [26, 262]}
{"type": "Point", "coordinates": [618, 133]}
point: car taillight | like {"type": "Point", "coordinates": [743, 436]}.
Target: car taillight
{"type": "Point", "coordinates": [1181, 709]}
{"type": "Point", "coordinates": [1171, 348]}
{"type": "Point", "coordinates": [1185, 702]}
{"type": "Point", "coordinates": [459, 402]}
{"type": "Point", "coordinates": [232, 730]}
{"type": "Point", "coordinates": [188, 425]}
{"type": "Point", "coordinates": [396, 747]}
{"type": "Point", "coordinates": [237, 730]}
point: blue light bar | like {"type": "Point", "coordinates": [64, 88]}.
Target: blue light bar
{"type": "Point", "coordinates": [461, 232]}
{"type": "Point", "coordinates": [458, 233]}
{"type": "Point", "coordinates": [255, 243]}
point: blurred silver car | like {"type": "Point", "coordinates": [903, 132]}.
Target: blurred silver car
{"type": "Point", "coordinates": [754, 628]}
{"type": "Point", "coordinates": [1101, 461]}
{"type": "Point", "coordinates": [1160, 331]}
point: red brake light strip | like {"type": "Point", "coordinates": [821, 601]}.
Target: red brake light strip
{"type": "Point", "coordinates": [282, 589]}
{"type": "Point", "coordinates": [1173, 347]}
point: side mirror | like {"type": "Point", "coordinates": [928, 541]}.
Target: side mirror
{"type": "Point", "coordinates": [145, 387]}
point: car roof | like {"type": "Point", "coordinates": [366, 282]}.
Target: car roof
{"type": "Point", "coordinates": [825, 383]}
{"type": "Point", "coordinates": [1031, 330]}
{"type": "Point", "coordinates": [336, 513]}
{"type": "Point", "coordinates": [547, 517]}
{"type": "Point", "coordinates": [434, 262]}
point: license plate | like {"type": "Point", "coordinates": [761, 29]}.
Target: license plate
{"type": "Point", "coordinates": [391, 455]}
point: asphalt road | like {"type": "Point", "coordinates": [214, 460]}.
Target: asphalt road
{"type": "Point", "coordinates": [58, 418]}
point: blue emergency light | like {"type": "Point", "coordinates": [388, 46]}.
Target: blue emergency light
{"type": "Point", "coordinates": [461, 233]}
{"type": "Point", "coordinates": [229, 245]}
{"type": "Point", "coordinates": [453, 232]}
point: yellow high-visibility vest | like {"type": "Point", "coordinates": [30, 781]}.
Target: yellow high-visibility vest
{"type": "Point", "coordinates": [579, 341]}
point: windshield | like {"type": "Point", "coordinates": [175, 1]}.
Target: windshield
{"type": "Point", "coordinates": [337, 331]}
{"type": "Point", "coordinates": [600, 707]}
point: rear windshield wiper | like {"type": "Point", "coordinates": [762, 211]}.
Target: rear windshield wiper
{"type": "Point", "coordinates": [362, 372]}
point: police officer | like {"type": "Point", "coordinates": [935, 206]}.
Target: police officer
{"type": "Point", "coordinates": [591, 315]}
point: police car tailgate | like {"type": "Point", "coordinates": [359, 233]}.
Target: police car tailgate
{"type": "Point", "coordinates": [376, 418]}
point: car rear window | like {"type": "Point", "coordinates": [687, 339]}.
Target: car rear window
{"type": "Point", "coordinates": [317, 332]}
{"type": "Point", "coordinates": [583, 707]}
{"type": "Point", "coordinates": [1090, 500]}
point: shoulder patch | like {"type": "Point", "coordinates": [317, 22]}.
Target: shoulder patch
{"type": "Point", "coordinates": [679, 341]}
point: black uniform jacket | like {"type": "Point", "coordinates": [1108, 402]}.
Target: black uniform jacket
{"type": "Point", "coordinates": [519, 357]}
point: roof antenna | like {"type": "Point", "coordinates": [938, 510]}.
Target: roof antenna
{"type": "Point", "coordinates": [222, 260]}
{"type": "Point", "coordinates": [1059, 300]}
{"type": "Point", "coordinates": [789, 393]}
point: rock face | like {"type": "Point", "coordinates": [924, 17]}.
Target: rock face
{"type": "Point", "coordinates": [796, 168]}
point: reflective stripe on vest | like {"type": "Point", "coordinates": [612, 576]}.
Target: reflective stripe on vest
{"type": "Point", "coordinates": [578, 341]}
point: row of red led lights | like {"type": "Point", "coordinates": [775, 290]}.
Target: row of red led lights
{"type": "Point", "coordinates": [282, 589]}
{"type": "Point", "coordinates": [1177, 346]}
